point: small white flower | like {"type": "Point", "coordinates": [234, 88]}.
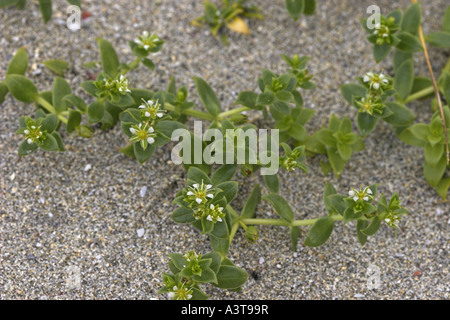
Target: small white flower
{"type": "Point", "coordinates": [351, 193]}
{"type": "Point", "coordinates": [208, 186]}
{"type": "Point", "coordinates": [147, 114]}
{"type": "Point", "coordinates": [133, 131]}
{"type": "Point", "coordinates": [211, 206]}
{"type": "Point", "coordinates": [151, 140]}
{"type": "Point", "coordinates": [189, 296]}
{"type": "Point", "coordinates": [190, 193]}
{"type": "Point", "coordinates": [195, 186]}
{"type": "Point", "coordinates": [198, 200]}
{"type": "Point", "coordinates": [141, 106]}
{"type": "Point", "coordinates": [171, 295]}
{"type": "Point", "coordinates": [366, 198]}
{"type": "Point", "coordinates": [369, 191]}
{"type": "Point", "coordinates": [159, 115]}
{"type": "Point", "coordinates": [30, 141]}
{"type": "Point", "coordinates": [355, 199]}
{"type": "Point", "coordinates": [209, 218]}
{"type": "Point", "coordinates": [366, 78]}
{"type": "Point", "coordinates": [210, 195]}
{"type": "Point", "coordinates": [27, 132]}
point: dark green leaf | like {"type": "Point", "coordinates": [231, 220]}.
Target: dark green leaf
{"type": "Point", "coordinates": [207, 96]}
{"type": "Point", "coordinates": [141, 154]}
{"type": "Point", "coordinates": [26, 149]}
{"type": "Point", "coordinates": [95, 112]}
{"type": "Point", "coordinates": [401, 116]}
{"type": "Point", "coordinates": [21, 88]}
{"type": "Point", "coordinates": [281, 206]}
{"type": "Point", "coordinates": [319, 232]}
{"type": "Point", "coordinates": [439, 39]}
{"type": "Point", "coordinates": [360, 225]}
{"type": "Point", "coordinates": [223, 173]}
{"type": "Point", "coordinates": [412, 18]}
{"type": "Point", "coordinates": [60, 89]}
{"type": "Point", "coordinates": [46, 9]}
{"type": "Point", "coordinates": [247, 99]}
{"type": "Point", "coordinates": [272, 183]}
{"type": "Point", "coordinates": [373, 227]}
{"type": "Point", "coordinates": [109, 58]}
{"type": "Point", "coordinates": [310, 7]}
{"type": "Point", "coordinates": [249, 210]}
{"type": "Point", "coordinates": [230, 277]}
{"type": "Point", "coordinates": [352, 90]}
{"type": "Point", "coordinates": [230, 189]}
{"type": "Point", "coordinates": [404, 79]}
{"type": "Point", "coordinates": [49, 144]}
{"type": "Point", "coordinates": [295, 8]}
{"type": "Point", "coordinates": [381, 51]}
{"type": "Point", "coordinates": [408, 42]}
{"type": "Point", "coordinates": [50, 123]}
{"type": "Point", "coordinates": [57, 66]}
{"type": "Point", "coordinates": [19, 63]}
{"type": "Point", "coordinates": [198, 176]}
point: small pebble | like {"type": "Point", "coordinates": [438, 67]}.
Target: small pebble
{"type": "Point", "coordinates": [140, 232]}
{"type": "Point", "coordinates": [143, 191]}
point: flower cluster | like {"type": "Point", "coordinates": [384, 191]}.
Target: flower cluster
{"type": "Point", "coordinates": [359, 201]}
{"type": "Point", "coordinates": [377, 81]}
{"type": "Point", "coordinates": [199, 197]}
{"type": "Point", "coordinates": [293, 159]}
{"type": "Point", "coordinates": [151, 111]}
{"type": "Point", "coordinates": [361, 195]}
{"type": "Point", "coordinates": [112, 87]}
{"type": "Point", "coordinates": [384, 31]}
{"type": "Point", "coordinates": [393, 211]}
{"type": "Point", "coordinates": [143, 133]}
{"type": "Point", "coordinates": [371, 105]}
{"type": "Point", "coordinates": [379, 87]}
{"type": "Point", "coordinates": [180, 292]}
{"type": "Point", "coordinates": [33, 133]}
{"type": "Point", "coordinates": [148, 41]}
{"type": "Point", "coordinates": [193, 262]}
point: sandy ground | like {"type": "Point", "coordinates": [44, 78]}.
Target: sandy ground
{"type": "Point", "coordinates": [83, 208]}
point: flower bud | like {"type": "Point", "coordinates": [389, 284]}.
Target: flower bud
{"type": "Point", "coordinates": [251, 234]}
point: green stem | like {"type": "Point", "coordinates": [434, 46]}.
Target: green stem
{"type": "Point", "coordinates": [229, 113]}
{"type": "Point", "coordinates": [420, 94]}
{"type": "Point", "coordinates": [42, 102]}
{"type": "Point", "coordinates": [131, 66]}
{"type": "Point", "coordinates": [280, 222]}
{"type": "Point", "coordinates": [233, 231]}
{"type": "Point", "coordinates": [191, 112]}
